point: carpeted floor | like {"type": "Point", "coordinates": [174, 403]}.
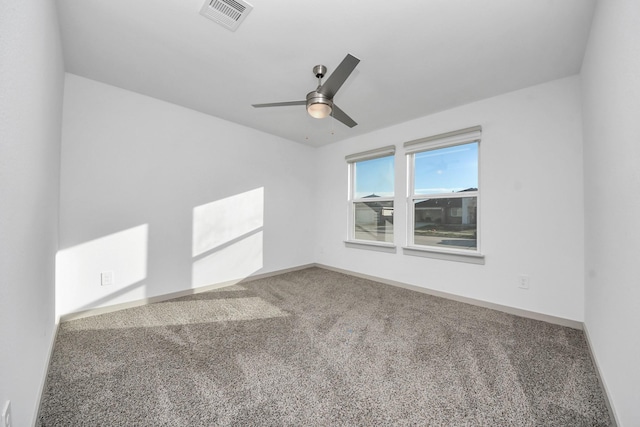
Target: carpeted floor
{"type": "Point", "coordinates": [317, 348]}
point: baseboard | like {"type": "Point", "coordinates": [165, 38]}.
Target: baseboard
{"type": "Point", "coordinates": [506, 309]}
{"type": "Point", "coordinates": [603, 384]}
{"type": "Point", "coordinates": [159, 298]}
{"type": "Point", "coordinates": [43, 382]}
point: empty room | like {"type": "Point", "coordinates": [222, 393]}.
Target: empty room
{"type": "Point", "coordinates": [284, 213]}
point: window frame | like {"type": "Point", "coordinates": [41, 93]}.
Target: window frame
{"type": "Point", "coordinates": [449, 139]}
{"type": "Point", "coordinates": [352, 159]}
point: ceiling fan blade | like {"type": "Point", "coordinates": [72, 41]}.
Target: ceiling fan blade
{"type": "Point", "coordinates": [340, 115]}
{"type": "Point", "coordinates": [280, 104]}
{"type": "Point", "coordinates": [338, 77]}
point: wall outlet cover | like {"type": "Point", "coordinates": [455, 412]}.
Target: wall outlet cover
{"type": "Point", "coordinates": [106, 278]}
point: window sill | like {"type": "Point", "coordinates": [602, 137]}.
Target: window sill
{"type": "Point", "coordinates": [472, 258]}
{"type": "Point", "coordinates": [370, 245]}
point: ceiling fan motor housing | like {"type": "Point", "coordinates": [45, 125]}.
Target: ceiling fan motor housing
{"type": "Point", "coordinates": [319, 106]}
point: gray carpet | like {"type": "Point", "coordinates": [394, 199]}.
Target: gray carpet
{"type": "Point", "coordinates": [317, 348]}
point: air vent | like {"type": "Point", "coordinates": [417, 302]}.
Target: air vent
{"type": "Point", "coordinates": [228, 13]}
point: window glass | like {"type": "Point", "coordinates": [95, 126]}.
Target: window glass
{"type": "Point", "coordinates": [446, 170]}
{"type": "Point", "coordinates": [374, 178]}
{"type": "Point", "coordinates": [446, 222]}
{"type": "Point", "coordinates": [371, 199]}
{"type": "Point", "coordinates": [374, 221]}
{"type": "Point", "coordinates": [443, 196]}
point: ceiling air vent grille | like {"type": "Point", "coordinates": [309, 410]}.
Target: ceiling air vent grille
{"type": "Point", "coordinates": [228, 13]}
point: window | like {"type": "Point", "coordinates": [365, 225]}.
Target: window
{"type": "Point", "coordinates": [371, 196]}
{"type": "Point", "coordinates": [443, 192]}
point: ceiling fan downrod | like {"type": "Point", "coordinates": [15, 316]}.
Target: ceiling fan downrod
{"type": "Point", "coordinates": [319, 71]}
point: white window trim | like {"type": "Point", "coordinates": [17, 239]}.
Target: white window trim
{"type": "Point", "coordinates": [443, 253]}
{"type": "Point", "coordinates": [371, 245]}
{"type": "Point", "coordinates": [449, 139]}
{"type": "Point", "coordinates": [351, 241]}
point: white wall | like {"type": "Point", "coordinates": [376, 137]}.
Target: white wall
{"type": "Point", "coordinates": [31, 82]}
{"type": "Point", "coordinates": [611, 112]}
{"type": "Point", "coordinates": [531, 201]}
{"type": "Point", "coordinates": [170, 199]}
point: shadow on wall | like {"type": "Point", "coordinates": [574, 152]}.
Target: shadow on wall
{"type": "Point", "coordinates": [227, 246]}
{"type": "Point", "coordinates": [228, 239]}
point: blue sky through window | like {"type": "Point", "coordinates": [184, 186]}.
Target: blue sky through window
{"type": "Point", "coordinates": [374, 177]}
{"type": "Point", "coordinates": [446, 170]}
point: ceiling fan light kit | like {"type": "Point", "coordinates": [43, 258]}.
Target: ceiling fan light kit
{"type": "Point", "coordinates": [319, 102]}
{"type": "Point", "coordinates": [318, 105]}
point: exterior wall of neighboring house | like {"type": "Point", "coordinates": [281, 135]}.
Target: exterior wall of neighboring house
{"type": "Point", "coordinates": [460, 211]}
{"type": "Point", "coordinates": [373, 220]}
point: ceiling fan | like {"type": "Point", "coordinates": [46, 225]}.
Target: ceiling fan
{"type": "Point", "coordinates": [320, 101]}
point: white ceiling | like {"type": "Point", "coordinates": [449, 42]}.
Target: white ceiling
{"type": "Point", "coordinates": [417, 57]}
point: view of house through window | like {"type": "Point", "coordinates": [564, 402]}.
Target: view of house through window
{"type": "Point", "coordinates": [444, 195]}
{"type": "Point", "coordinates": [371, 198]}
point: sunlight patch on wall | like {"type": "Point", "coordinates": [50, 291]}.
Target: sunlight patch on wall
{"type": "Point", "coordinates": [230, 263]}
{"type": "Point", "coordinates": [228, 239]}
{"type": "Point", "coordinates": [79, 268]}
{"type": "Point", "coordinates": [222, 221]}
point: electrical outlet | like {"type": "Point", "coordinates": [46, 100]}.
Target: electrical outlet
{"type": "Point", "coordinates": [523, 282]}
{"type": "Point", "coordinates": [106, 278]}
{"type": "Point", "coordinates": [6, 414]}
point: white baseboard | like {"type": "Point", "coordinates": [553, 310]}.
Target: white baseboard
{"type": "Point", "coordinates": [605, 389]}
{"type": "Point", "coordinates": [506, 309]}
{"type": "Point", "coordinates": [137, 303]}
